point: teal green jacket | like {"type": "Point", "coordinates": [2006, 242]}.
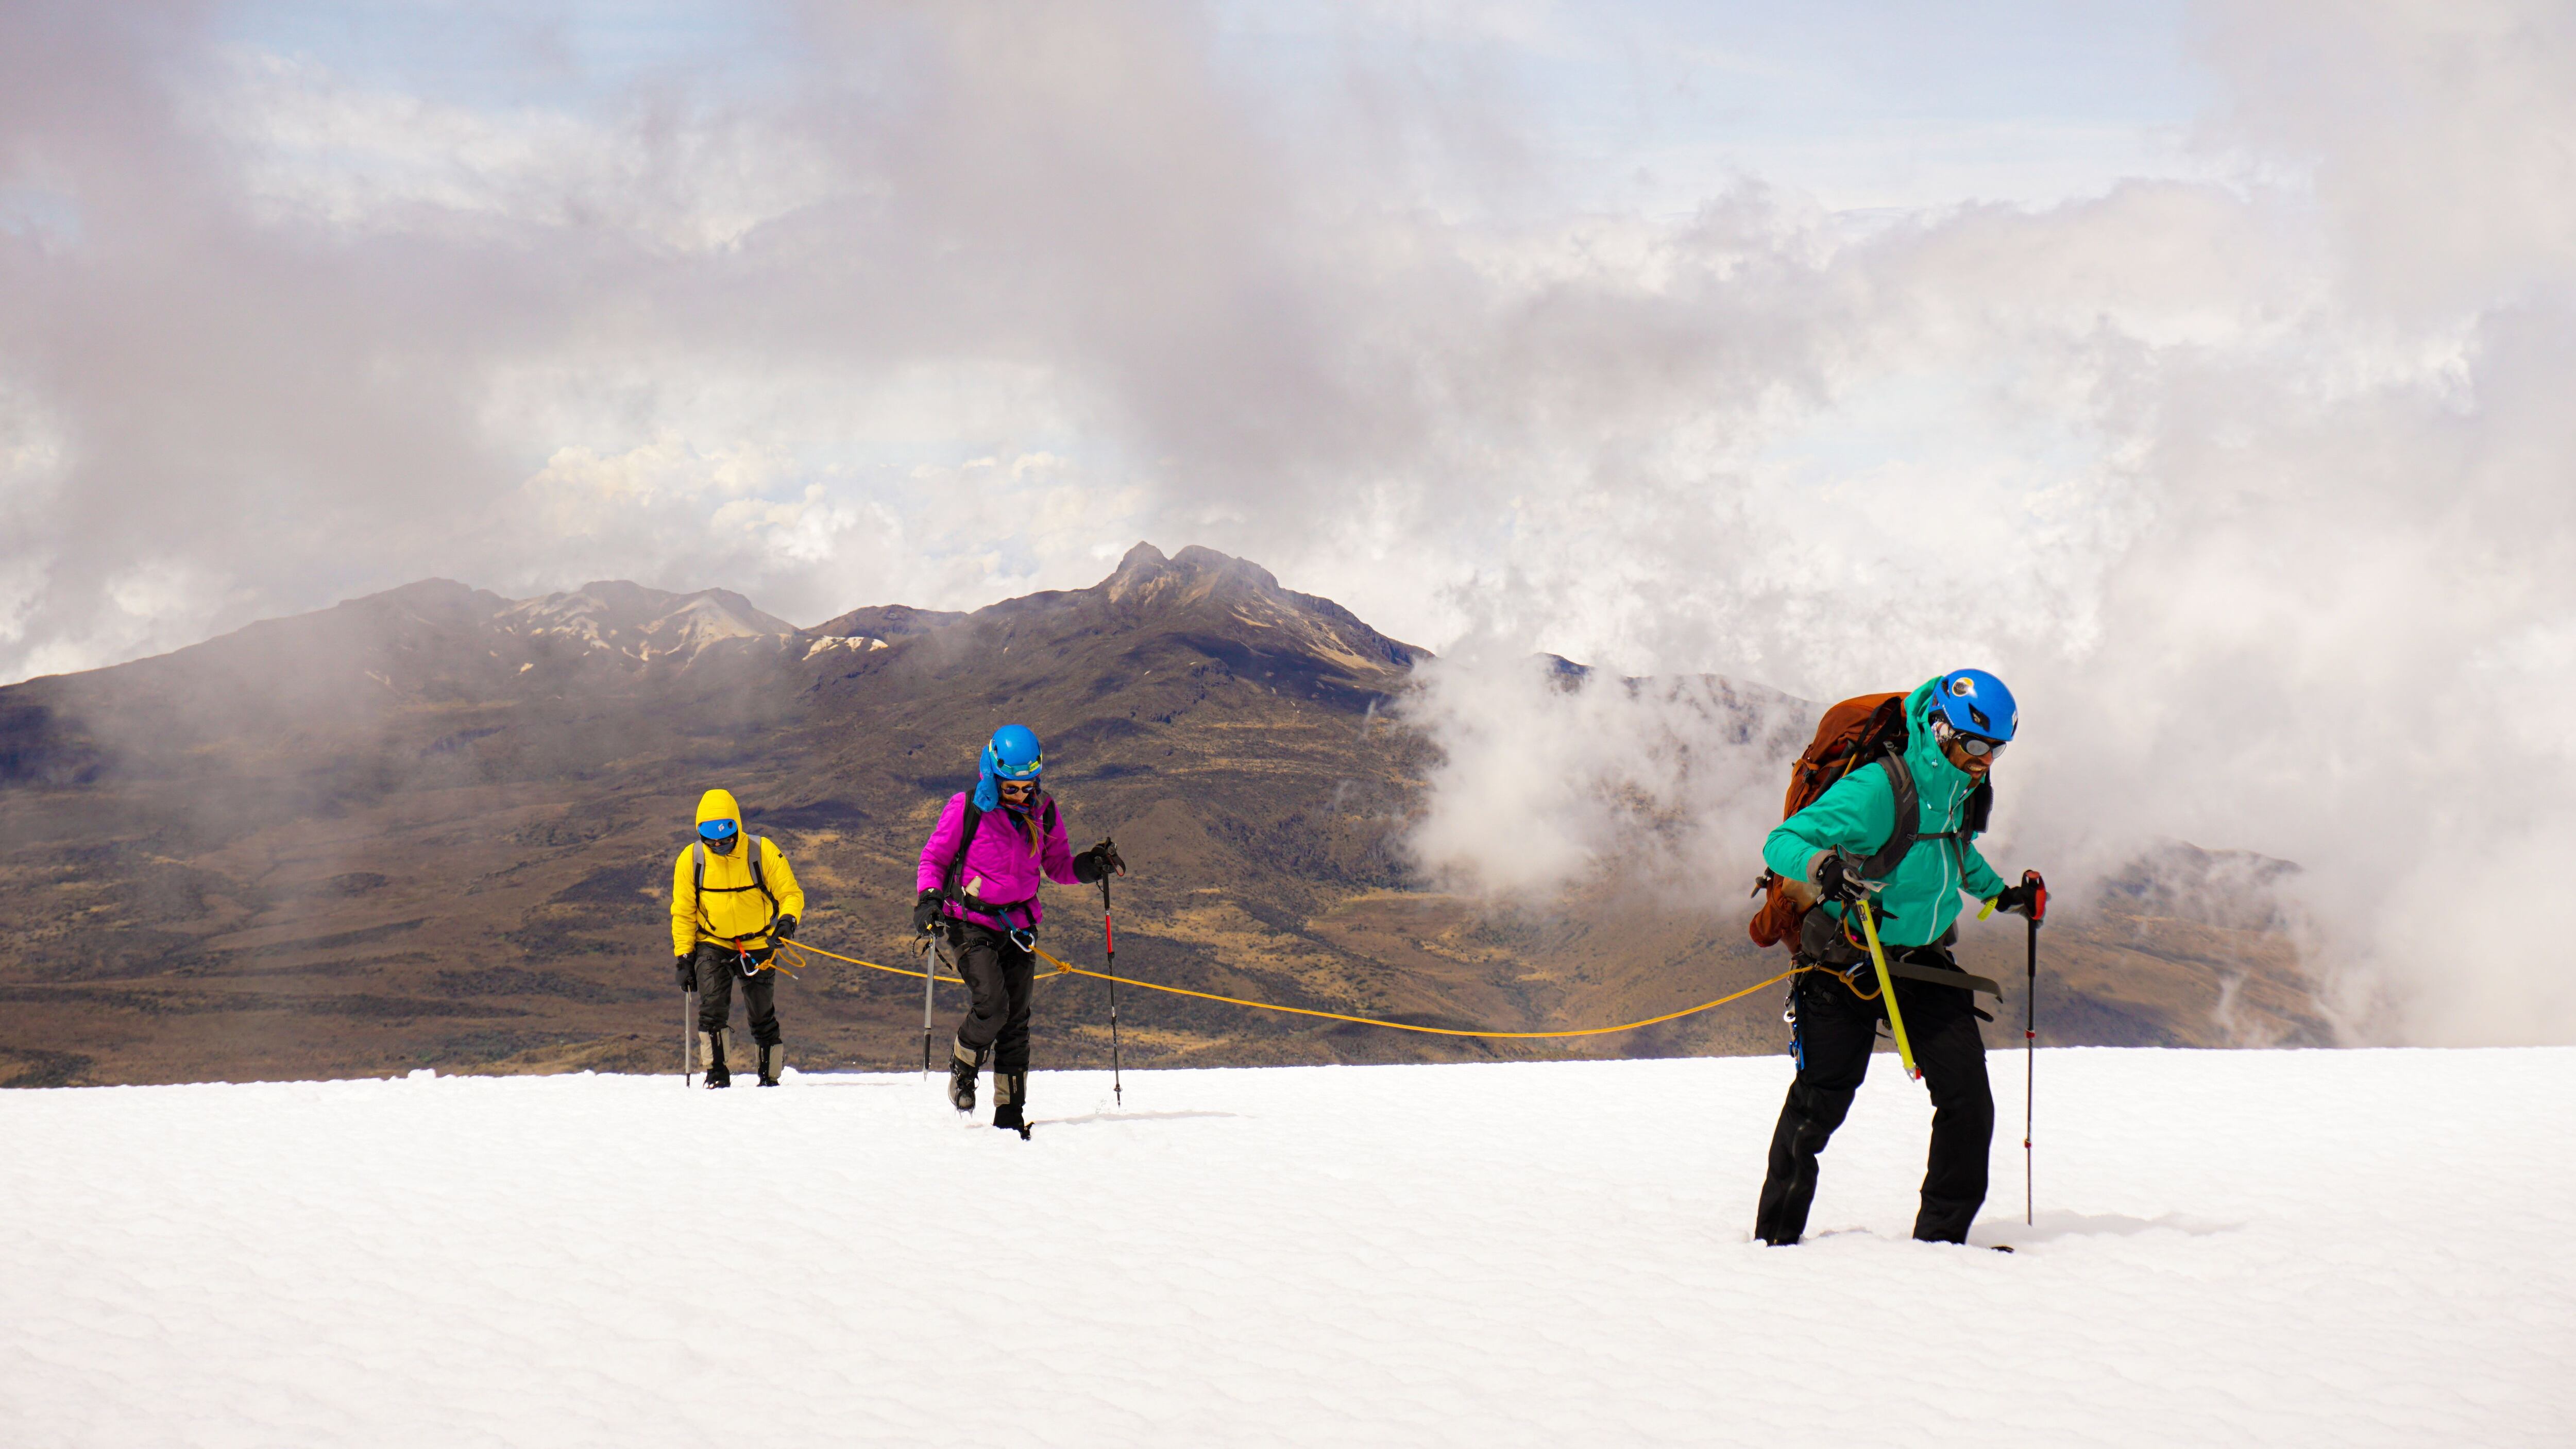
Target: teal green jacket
{"type": "Point", "coordinates": [1859, 812]}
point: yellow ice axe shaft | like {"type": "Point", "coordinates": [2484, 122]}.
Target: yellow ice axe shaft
{"type": "Point", "coordinates": [1887, 992]}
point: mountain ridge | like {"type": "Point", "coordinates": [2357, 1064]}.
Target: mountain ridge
{"type": "Point", "coordinates": [399, 833]}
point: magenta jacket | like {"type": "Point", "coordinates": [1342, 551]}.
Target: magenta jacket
{"type": "Point", "coordinates": [1000, 868]}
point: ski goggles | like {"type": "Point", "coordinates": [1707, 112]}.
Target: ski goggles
{"type": "Point", "coordinates": [1976, 745]}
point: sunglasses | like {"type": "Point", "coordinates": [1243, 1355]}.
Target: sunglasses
{"type": "Point", "coordinates": [1977, 746]}
{"type": "Point", "coordinates": [1017, 787]}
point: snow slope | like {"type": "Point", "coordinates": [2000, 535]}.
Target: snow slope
{"type": "Point", "coordinates": [2278, 1248]}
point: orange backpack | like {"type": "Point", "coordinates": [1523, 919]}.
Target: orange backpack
{"type": "Point", "coordinates": [1851, 734]}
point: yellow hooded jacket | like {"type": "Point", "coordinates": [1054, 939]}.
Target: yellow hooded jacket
{"type": "Point", "coordinates": [732, 909]}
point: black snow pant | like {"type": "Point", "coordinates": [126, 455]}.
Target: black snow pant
{"type": "Point", "coordinates": [1835, 1030]}
{"type": "Point", "coordinates": [718, 970]}
{"type": "Point", "coordinates": [999, 976]}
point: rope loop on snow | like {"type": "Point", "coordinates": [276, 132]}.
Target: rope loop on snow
{"type": "Point", "coordinates": [1067, 968]}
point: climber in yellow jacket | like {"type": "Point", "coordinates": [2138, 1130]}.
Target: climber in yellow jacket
{"type": "Point", "coordinates": [733, 899]}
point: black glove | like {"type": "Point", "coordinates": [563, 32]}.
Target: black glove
{"type": "Point", "coordinates": [2030, 898]}
{"type": "Point", "coordinates": [689, 972]}
{"type": "Point", "coordinates": [1098, 861]}
{"type": "Point", "coordinates": [925, 911]}
{"type": "Point", "coordinates": [1836, 877]}
{"type": "Point", "coordinates": [783, 929]}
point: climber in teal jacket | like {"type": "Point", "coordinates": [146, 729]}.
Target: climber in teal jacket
{"type": "Point", "coordinates": [1956, 728]}
{"type": "Point", "coordinates": [1922, 893]}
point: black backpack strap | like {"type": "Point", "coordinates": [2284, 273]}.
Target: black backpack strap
{"type": "Point", "coordinates": [1973, 814]}
{"type": "Point", "coordinates": [698, 888]}
{"type": "Point", "coordinates": [1909, 817]}
{"type": "Point", "coordinates": [759, 882]}
{"type": "Point", "coordinates": [760, 878]}
{"type": "Point", "coordinates": [952, 886]}
{"type": "Point", "coordinates": [956, 873]}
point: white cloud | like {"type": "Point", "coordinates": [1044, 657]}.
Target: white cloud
{"type": "Point", "coordinates": [315, 145]}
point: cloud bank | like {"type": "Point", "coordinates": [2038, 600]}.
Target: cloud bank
{"type": "Point", "coordinates": [2256, 489]}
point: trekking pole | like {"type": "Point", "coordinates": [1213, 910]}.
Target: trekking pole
{"type": "Point", "coordinates": [929, 970]}
{"type": "Point", "coordinates": [688, 1015]}
{"type": "Point", "coordinates": [1109, 948]}
{"type": "Point", "coordinates": [2030, 1041]}
{"type": "Point", "coordinates": [1887, 993]}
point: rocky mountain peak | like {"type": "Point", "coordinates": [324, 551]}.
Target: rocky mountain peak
{"type": "Point", "coordinates": [646, 623]}
{"type": "Point", "coordinates": [1194, 574]}
{"type": "Point", "coordinates": [884, 621]}
{"type": "Point", "coordinates": [1215, 594]}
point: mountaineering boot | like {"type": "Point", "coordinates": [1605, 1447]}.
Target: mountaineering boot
{"type": "Point", "coordinates": [773, 1063]}
{"type": "Point", "coordinates": [1010, 1095]}
{"type": "Point", "coordinates": [1945, 1220]}
{"type": "Point", "coordinates": [962, 1066]}
{"type": "Point", "coordinates": [711, 1048]}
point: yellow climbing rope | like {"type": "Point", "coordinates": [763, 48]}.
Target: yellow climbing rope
{"type": "Point", "coordinates": [804, 949]}
{"type": "Point", "coordinates": [1066, 968]}
{"type": "Point", "coordinates": [1887, 988]}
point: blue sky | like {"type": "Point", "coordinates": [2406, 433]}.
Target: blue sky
{"type": "Point", "coordinates": [1860, 105]}
{"type": "Point", "coordinates": [506, 55]}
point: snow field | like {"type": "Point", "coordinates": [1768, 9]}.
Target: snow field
{"type": "Point", "coordinates": [2334, 1248]}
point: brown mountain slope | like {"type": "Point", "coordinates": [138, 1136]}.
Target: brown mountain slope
{"type": "Point", "coordinates": [435, 828]}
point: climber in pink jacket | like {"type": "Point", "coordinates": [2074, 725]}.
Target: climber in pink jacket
{"type": "Point", "coordinates": [978, 889]}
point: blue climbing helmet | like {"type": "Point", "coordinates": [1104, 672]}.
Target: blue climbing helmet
{"type": "Point", "coordinates": [1974, 702]}
{"type": "Point", "coordinates": [1013, 754]}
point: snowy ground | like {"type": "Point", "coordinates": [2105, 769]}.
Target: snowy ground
{"type": "Point", "coordinates": [2330, 1248]}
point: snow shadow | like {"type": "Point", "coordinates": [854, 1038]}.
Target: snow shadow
{"type": "Point", "coordinates": [2051, 1226]}
{"type": "Point", "coordinates": [847, 1081]}
{"type": "Point", "coordinates": [1089, 1118]}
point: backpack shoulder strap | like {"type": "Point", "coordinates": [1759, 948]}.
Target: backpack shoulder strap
{"type": "Point", "coordinates": [965, 839]}
{"type": "Point", "coordinates": [1909, 816]}
{"type": "Point", "coordinates": [698, 883]}
{"type": "Point", "coordinates": [759, 877]}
